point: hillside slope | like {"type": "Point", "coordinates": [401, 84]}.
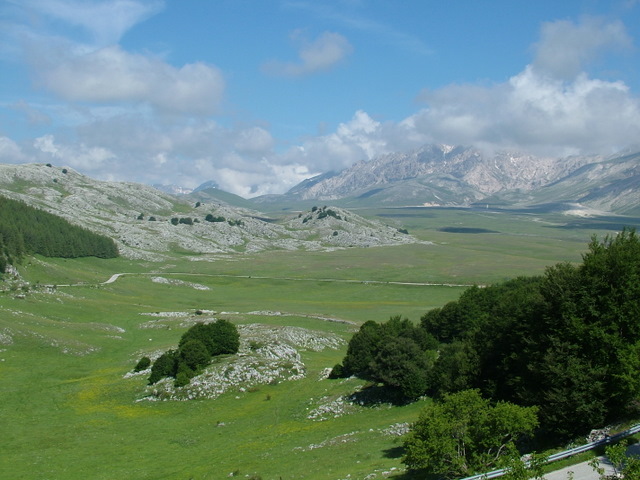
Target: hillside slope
{"type": "Point", "coordinates": [612, 185]}
{"type": "Point", "coordinates": [139, 218]}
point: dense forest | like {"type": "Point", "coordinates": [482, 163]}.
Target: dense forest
{"type": "Point", "coordinates": [25, 230]}
{"type": "Point", "coordinates": [566, 343]}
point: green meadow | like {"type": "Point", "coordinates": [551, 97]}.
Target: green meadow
{"type": "Point", "coordinates": [70, 411]}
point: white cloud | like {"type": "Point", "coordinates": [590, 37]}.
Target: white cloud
{"type": "Point", "coordinates": [111, 74]}
{"type": "Point", "coordinates": [352, 14]}
{"type": "Point", "coordinates": [533, 113]}
{"type": "Point", "coordinates": [550, 108]}
{"type": "Point", "coordinates": [254, 140]}
{"type": "Point", "coordinates": [322, 54]}
{"type": "Point", "coordinates": [359, 139]}
{"type": "Point", "coordinates": [266, 179]}
{"type": "Point", "coordinates": [106, 21]}
{"type": "Point", "coordinates": [78, 156]}
{"type": "Point", "coordinates": [10, 151]}
{"type": "Point", "coordinates": [565, 47]}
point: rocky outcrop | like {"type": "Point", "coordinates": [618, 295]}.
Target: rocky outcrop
{"type": "Point", "coordinates": [147, 223]}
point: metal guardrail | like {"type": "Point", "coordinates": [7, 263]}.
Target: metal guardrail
{"type": "Point", "coordinates": [567, 453]}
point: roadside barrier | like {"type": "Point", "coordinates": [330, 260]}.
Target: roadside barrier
{"type": "Point", "coordinates": [567, 453]}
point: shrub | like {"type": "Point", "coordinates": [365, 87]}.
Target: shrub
{"type": "Point", "coordinates": [182, 379]}
{"type": "Point", "coordinates": [166, 365]}
{"type": "Point", "coordinates": [211, 218]}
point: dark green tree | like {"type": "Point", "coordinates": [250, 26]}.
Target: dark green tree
{"type": "Point", "coordinates": [25, 230]}
{"type": "Point", "coordinates": [456, 368]}
{"type": "Point", "coordinates": [220, 337]}
{"type": "Point", "coordinates": [362, 350]}
{"type": "Point", "coordinates": [402, 364]}
{"type": "Point", "coordinates": [194, 354]}
{"type": "Point", "coordinates": [166, 365]}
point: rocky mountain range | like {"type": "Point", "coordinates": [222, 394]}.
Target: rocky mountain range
{"type": "Point", "coordinates": [441, 175]}
{"type": "Point", "coordinates": [147, 223]}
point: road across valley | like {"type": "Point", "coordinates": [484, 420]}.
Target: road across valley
{"type": "Point", "coordinates": [116, 276]}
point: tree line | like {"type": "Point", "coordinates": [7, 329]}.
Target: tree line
{"type": "Point", "coordinates": [566, 343]}
{"type": "Point", "coordinates": [26, 230]}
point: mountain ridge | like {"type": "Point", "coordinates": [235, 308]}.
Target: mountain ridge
{"type": "Point", "coordinates": [444, 175]}
{"type": "Point", "coordinates": [149, 224]}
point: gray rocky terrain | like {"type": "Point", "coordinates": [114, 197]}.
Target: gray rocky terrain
{"type": "Point", "coordinates": [138, 217]}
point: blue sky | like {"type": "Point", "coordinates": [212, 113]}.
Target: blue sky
{"type": "Point", "coordinates": [258, 95]}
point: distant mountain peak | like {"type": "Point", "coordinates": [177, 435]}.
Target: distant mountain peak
{"type": "Point", "coordinates": [172, 189]}
{"type": "Point", "coordinates": [206, 185]}
{"type": "Point", "coordinates": [439, 175]}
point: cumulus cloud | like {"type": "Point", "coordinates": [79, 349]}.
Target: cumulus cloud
{"type": "Point", "coordinates": [565, 47]}
{"type": "Point", "coordinates": [111, 74]}
{"type": "Point", "coordinates": [323, 53]}
{"type": "Point", "coordinates": [101, 70]}
{"type": "Point", "coordinates": [361, 138]}
{"type": "Point", "coordinates": [10, 151]}
{"type": "Point", "coordinates": [106, 21]}
{"type": "Point", "coordinates": [253, 140]}
{"type": "Point", "coordinates": [79, 156]}
{"type": "Point", "coordinates": [551, 107]}
{"type": "Point", "coordinates": [267, 178]}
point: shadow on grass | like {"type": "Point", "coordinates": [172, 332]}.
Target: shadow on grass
{"type": "Point", "coordinates": [415, 475]}
{"type": "Point", "coordinates": [465, 230]}
{"type": "Point", "coordinates": [374, 395]}
{"type": "Point", "coordinates": [393, 452]}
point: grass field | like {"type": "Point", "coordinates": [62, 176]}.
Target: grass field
{"type": "Point", "coordinates": [69, 411]}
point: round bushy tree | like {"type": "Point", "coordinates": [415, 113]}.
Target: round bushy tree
{"type": "Point", "coordinates": [220, 337]}
{"type": "Point", "coordinates": [194, 354]}
{"type": "Point", "coordinates": [227, 337]}
{"type": "Point", "coordinates": [401, 364]}
{"type": "Point", "coordinates": [166, 365]}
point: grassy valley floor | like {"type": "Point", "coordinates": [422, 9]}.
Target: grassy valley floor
{"type": "Point", "coordinates": [70, 408]}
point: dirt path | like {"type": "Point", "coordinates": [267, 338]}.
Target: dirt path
{"type": "Point", "coordinates": [116, 276]}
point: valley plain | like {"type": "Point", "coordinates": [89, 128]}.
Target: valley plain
{"type": "Point", "coordinates": [71, 407]}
